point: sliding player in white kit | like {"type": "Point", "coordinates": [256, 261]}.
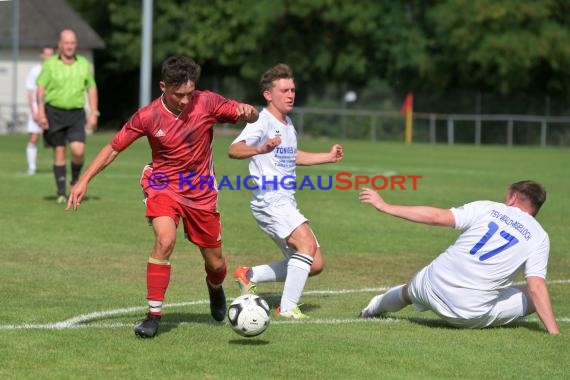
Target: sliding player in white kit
{"type": "Point", "coordinates": [470, 284]}
{"type": "Point", "coordinates": [271, 145]}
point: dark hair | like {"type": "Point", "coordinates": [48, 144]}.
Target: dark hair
{"type": "Point", "coordinates": [178, 70]}
{"type": "Point", "coordinates": [279, 71]}
{"type": "Point", "coordinates": [530, 191]}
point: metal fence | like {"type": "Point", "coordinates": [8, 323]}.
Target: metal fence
{"type": "Point", "coordinates": [434, 127]}
{"type": "Point", "coordinates": [537, 130]}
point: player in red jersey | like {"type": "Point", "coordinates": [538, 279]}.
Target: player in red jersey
{"type": "Point", "coordinates": [179, 128]}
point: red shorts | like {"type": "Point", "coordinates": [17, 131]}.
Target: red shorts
{"type": "Point", "coordinates": [202, 227]}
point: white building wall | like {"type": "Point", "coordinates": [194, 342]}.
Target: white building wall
{"type": "Point", "coordinates": [27, 59]}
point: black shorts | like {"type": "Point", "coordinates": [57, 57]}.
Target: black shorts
{"type": "Point", "coordinates": [64, 126]}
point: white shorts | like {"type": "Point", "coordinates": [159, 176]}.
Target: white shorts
{"type": "Point", "coordinates": [279, 219]}
{"type": "Point", "coordinates": [33, 127]}
{"type": "Point", "coordinates": [510, 306]}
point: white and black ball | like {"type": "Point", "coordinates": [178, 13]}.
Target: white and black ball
{"type": "Point", "coordinates": [249, 315]}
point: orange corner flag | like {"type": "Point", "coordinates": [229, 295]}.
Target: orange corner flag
{"type": "Point", "coordinates": [407, 110]}
{"type": "Point", "coordinates": [408, 104]}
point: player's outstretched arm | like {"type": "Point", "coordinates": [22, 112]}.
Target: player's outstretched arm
{"type": "Point", "coordinates": [306, 158]}
{"type": "Point", "coordinates": [103, 159]}
{"type": "Point", "coordinates": [240, 150]}
{"type": "Point", "coordinates": [540, 297]}
{"type": "Point", "coordinates": [420, 214]}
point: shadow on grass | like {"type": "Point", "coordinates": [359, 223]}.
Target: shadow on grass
{"type": "Point", "coordinates": [439, 323]}
{"type": "Point", "coordinates": [530, 325]}
{"type": "Point", "coordinates": [428, 322]}
{"type": "Point", "coordinates": [171, 321]}
{"type": "Point", "coordinates": [53, 198]}
{"type": "Point", "coordinates": [274, 299]}
{"type": "Point", "coordinates": [253, 341]}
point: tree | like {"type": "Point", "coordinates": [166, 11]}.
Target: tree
{"type": "Point", "coordinates": [436, 46]}
{"type": "Point", "coordinates": [499, 46]}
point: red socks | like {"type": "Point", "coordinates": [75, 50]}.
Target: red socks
{"type": "Point", "coordinates": [157, 279]}
{"type": "Point", "coordinates": [215, 279]}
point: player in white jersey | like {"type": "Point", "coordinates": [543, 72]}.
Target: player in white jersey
{"type": "Point", "coordinates": [470, 284]}
{"type": "Point", "coordinates": [271, 146]}
{"type": "Point", "coordinates": [34, 130]}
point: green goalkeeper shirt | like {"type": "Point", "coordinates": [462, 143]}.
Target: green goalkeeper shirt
{"type": "Point", "coordinates": [65, 84]}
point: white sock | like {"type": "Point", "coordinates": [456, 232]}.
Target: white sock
{"type": "Point", "coordinates": [31, 155]}
{"type": "Point", "coordinates": [392, 300]}
{"type": "Point", "coordinates": [155, 307]}
{"type": "Point", "coordinates": [274, 272]}
{"type": "Point", "coordinates": [298, 270]}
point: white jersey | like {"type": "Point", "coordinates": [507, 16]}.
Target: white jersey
{"type": "Point", "coordinates": [31, 81]}
{"type": "Point", "coordinates": [273, 172]}
{"type": "Point", "coordinates": [31, 86]}
{"type": "Point", "coordinates": [497, 241]}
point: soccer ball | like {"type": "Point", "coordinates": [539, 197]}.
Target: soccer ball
{"type": "Point", "coordinates": [249, 315]}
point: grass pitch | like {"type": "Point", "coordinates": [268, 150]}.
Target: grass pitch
{"type": "Point", "coordinates": [73, 283]}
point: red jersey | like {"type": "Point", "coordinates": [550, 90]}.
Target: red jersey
{"type": "Point", "coordinates": [182, 146]}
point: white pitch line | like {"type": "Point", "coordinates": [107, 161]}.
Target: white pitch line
{"type": "Point", "coordinates": [78, 321]}
{"type": "Point", "coordinates": [101, 314]}
{"type": "Point", "coordinates": [178, 324]}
